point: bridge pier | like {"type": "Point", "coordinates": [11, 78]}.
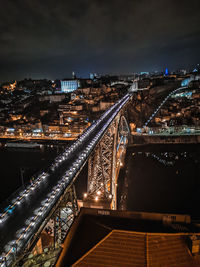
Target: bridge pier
{"type": "Point", "coordinates": [104, 165]}
{"type": "Point", "coordinates": [52, 232]}
{"type": "Point", "coordinates": [64, 215]}
{"type": "Point", "coordinates": [56, 205]}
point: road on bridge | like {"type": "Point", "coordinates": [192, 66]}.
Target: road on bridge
{"type": "Point", "coordinates": [20, 220]}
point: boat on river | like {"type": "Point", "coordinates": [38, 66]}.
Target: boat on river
{"type": "Point", "coordinates": [23, 145]}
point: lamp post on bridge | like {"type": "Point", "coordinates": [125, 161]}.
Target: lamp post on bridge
{"type": "Point", "coordinates": [14, 248]}
{"type": "Point", "coordinates": [4, 260]}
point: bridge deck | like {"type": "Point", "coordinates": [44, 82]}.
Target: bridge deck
{"type": "Point", "coordinates": [21, 219]}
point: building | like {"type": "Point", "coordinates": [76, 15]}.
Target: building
{"type": "Point", "coordinates": [68, 86]}
{"type": "Point", "coordinates": [9, 86]}
{"type": "Point", "coordinates": [191, 78]}
{"type": "Point", "coordinates": [121, 238]}
{"type": "Point", "coordinates": [53, 98]}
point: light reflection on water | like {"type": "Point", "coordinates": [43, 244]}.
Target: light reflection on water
{"type": "Point", "coordinates": [167, 182]}
{"type": "Point", "coordinates": [30, 160]}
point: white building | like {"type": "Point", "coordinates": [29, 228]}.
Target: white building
{"type": "Point", "coordinates": [68, 86]}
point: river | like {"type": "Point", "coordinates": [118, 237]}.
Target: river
{"type": "Point", "coordinates": [30, 161]}
{"type": "Point", "coordinates": [155, 178]}
{"type": "Point", "coordinates": [162, 179]}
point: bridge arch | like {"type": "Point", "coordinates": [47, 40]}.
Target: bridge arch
{"type": "Point", "coordinates": [105, 162]}
{"type": "Point", "coordinates": [54, 188]}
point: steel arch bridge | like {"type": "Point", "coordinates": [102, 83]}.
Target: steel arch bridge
{"type": "Point", "coordinates": [51, 199]}
{"type": "Point", "coordinates": [105, 162]}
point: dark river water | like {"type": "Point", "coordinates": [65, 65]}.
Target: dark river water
{"type": "Point", "coordinates": [18, 166]}
{"type": "Point", "coordinates": [162, 179]}
{"type": "Point", "coordinates": [30, 161]}
{"type": "Point", "coordinates": [155, 178]}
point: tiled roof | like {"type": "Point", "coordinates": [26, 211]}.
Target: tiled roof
{"type": "Point", "coordinates": [122, 238]}
{"type": "Point", "coordinates": [125, 248]}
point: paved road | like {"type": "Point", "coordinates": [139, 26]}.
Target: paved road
{"type": "Point", "coordinates": [162, 103]}
{"type": "Point", "coordinates": [21, 219]}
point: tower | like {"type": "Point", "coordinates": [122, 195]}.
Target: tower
{"type": "Point", "coordinates": [61, 118]}
{"type": "Point", "coordinates": [73, 75]}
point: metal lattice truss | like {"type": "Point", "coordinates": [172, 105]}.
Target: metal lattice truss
{"type": "Point", "coordinates": [60, 219]}
{"type": "Point", "coordinates": [100, 167]}
{"type": "Point", "coordinates": [102, 163]}
{"type": "Point", "coordinates": [56, 226]}
{"type": "Point", "coordinates": [123, 128]}
{"type": "Point", "coordinates": [64, 215]}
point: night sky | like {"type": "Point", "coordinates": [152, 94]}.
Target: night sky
{"type": "Point", "coordinates": [52, 38]}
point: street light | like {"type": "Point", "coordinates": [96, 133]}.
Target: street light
{"type": "Point", "coordinates": [15, 250]}
{"type": "Point", "coordinates": [3, 259]}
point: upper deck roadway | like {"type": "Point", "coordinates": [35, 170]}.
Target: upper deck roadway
{"type": "Point", "coordinates": [25, 214]}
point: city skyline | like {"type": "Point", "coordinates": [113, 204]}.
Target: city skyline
{"type": "Point", "coordinates": [48, 40]}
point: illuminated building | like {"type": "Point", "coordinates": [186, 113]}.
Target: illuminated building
{"type": "Point", "coordinates": [93, 76]}
{"type": "Point", "coordinates": [144, 73]}
{"type": "Point", "coordinates": [68, 86]}
{"type": "Point", "coordinates": [189, 79]}
{"type": "Point", "coordinates": [166, 71]}
{"type": "Point", "coordinates": [10, 86]}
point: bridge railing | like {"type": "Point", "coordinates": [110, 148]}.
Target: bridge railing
{"type": "Point", "coordinates": [87, 142]}
{"type": "Point", "coordinates": [162, 103]}
{"type": "Point", "coordinates": [182, 129]}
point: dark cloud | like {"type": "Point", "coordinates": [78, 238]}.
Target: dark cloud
{"type": "Point", "coordinates": [51, 38]}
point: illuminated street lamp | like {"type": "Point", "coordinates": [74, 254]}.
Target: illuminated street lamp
{"type": "Point", "coordinates": [98, 193]}
{"type": "Point", "coordinates": [15, 249]}
{"type": "Point", "coordinates": [4, 259]}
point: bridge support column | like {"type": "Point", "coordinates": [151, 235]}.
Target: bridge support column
{"type": "Point", "coordinates": [99, 189]}
{"type": "Point", "coordinates": [64, 215]}
{"type": "Point", "coordinates": [103, 167]}
{"type": "Point", "coordinates": [54, 229]}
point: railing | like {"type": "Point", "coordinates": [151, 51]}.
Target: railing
{"type": "Point", "coordinates": [74, 157]}
{"type": "Point", "coordinates": [174, 130]}
{"type": "Point", "coordinates": [162, 103]}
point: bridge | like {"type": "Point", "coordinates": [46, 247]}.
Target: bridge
{"type": "Point", "coordinates": [50, 201]}
{"type": "Point", "coordinates": [119, 82]}
{"type": "Point", "coordinates": [51, 198]}
{"type": "Point", "coordinates": [167, 134]}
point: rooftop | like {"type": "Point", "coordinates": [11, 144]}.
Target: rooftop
{"type": "Point", "coordinates": [122, 238]}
